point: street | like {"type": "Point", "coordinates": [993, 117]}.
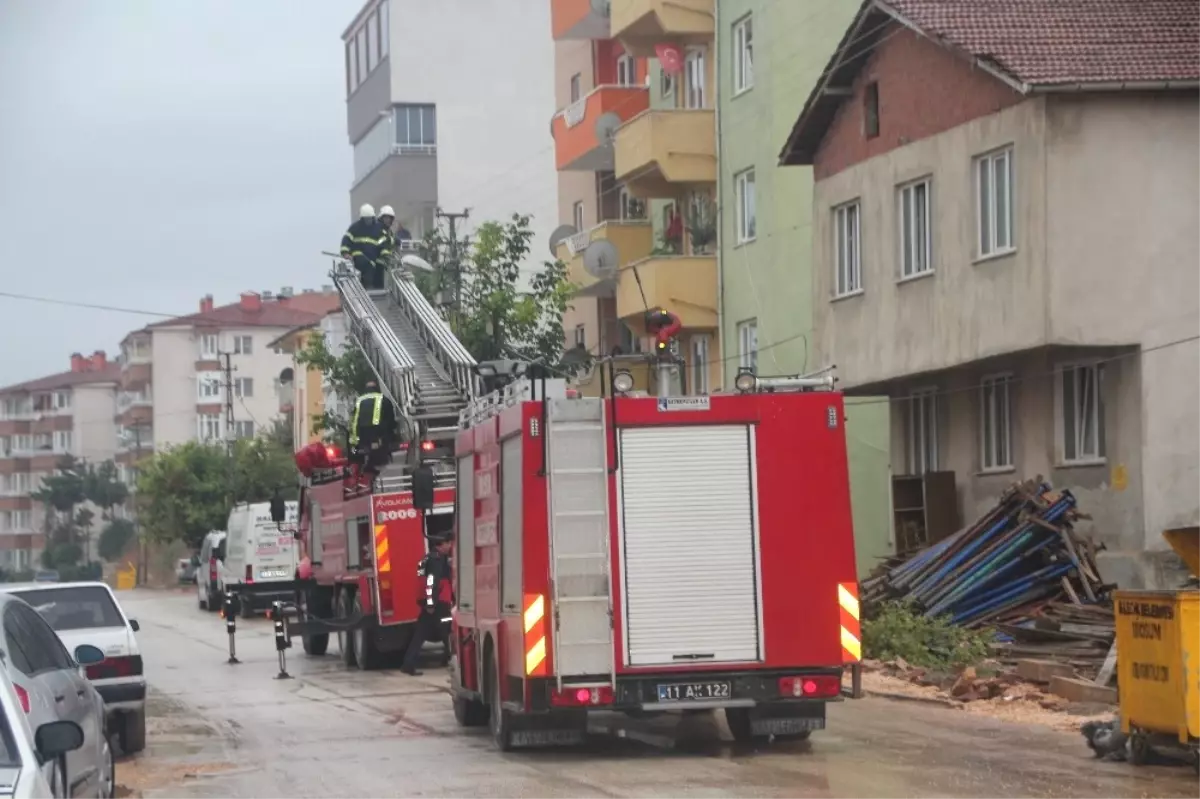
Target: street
{"type": "Point", "coordinates": [220, 730]}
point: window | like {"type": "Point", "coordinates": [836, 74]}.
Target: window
{"type": "Point", "coordinates": [915, 240]}
{"type": "Point", "coordinates": [384, 38]}
{"type": "Point", "coordinates": [747, 213]}
{"type": "Point", "coordinates": [21, 520]}
{"type": "Point", "coordinates": [351, 75]}
{"type": "Point", "coordinates": [995, 423]}
{"type": "Point", "coordinates": [1082, 404]}
{"type": "Point", "coordinates": [360, 54]}
{"type": "Point", "coordinates": [580, 336]}
{"type": "Point", "coordinates": [22, 443]}
{"type": "Point", "coordinates": [847, 246]}
{"type": "Point", "coordinates": [921, 432]}
{"type": "Point", "coordinates": [994, 195]}
{"type": "Point", "coordinates": [243, 429]}
{"type": "Point", "coordinates": [694, 79]}
{"type": "Point", "coordinates": [666, 86]}
{"type": "Point", "coordinates": [209, 346]}
{"type": "Point", "coordinates": [576, 87]}
{"type": "Point", "coordinates": [243, 345]}
{"type": "Point", "coordinates": [244, 387]}
{"type": "Point", "coordinates": [577, 215]}
{"type": "Point", "coordinates": [699, 365]}
{"type": "Point", "coordinates": [62, 441]}
{"type": "Point", "coordinates": [748, 344]}
{"type": "Point", "coordinates": [372, 42]}
{"type": "Point", "coordinates": [208, 386]}
{"type": "Point", "coordinates": [623, 203]}
{"type": "Point", "coordinates": [373, 148]}
{"type": "Point", "coordinates": [62, 399]}
{"type": "Point", "coordinates": [416, 125]}
{"type": "Point", "coordinates": [871, 111]}
{"type": "Point", "coordinates": [743, 55]}
{"type": "Point", "coordinates": [208, 427]}
{"type": "Point", "coordinates": [74, 607]}
{"type": "Point", "coordinates": [626, 70]}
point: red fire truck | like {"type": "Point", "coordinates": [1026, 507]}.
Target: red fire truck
{"type": "Point", "coordinates": [364, 549]}
{"type": "Point", "coordinates": [652, 554]}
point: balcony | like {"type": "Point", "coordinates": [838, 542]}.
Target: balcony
{"type": "Point", "coordinates": [685, 285]}
{"type": "Point", "coordinates": [641, 24]}
{"type": "Point", "coordinates": [134, 408]}
{"type": "Point", "coordinates": [135, 374]}
{"type": "Point", "coordinates": [660, 152]}
{"type": "Point", "coordinates": [577, 19]}
{"type": "Point", "coordinates": [576, 145]}
{"type": "Point", "coordinates": [633, 241]}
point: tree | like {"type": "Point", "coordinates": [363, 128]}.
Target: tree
{"type": "Point", "coordinates": [114, 538]}
{"type": "Point", "coordinates": [60, 493]}
{"type": "Point", "coordinates": [103, 487]}
{"type": "Point", "coordinates": [347, 373]}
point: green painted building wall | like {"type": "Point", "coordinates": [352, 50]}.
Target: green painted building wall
{"type": "Point", "coordinates": [769, 279]}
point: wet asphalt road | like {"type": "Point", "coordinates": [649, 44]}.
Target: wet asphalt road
{"type": "Point", "coordinates": [330, 732]}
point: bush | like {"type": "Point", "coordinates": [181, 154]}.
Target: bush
{"type": "Point", "coordinates": [900, 631]}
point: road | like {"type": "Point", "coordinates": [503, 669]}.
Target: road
{"type": "Point", "coordinates": [234, 731]}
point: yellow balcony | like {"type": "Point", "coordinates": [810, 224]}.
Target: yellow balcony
{"type": "Point", "coordinates": [577, 19]}
{"type": "Point", "coordinates": [633, 241]}
{"type": "Point", "coordinates": [685, 285]}
{"type": "Point", "coordinates": [641, 24]}
{"type": "Point", "coordinates": [660, 152]}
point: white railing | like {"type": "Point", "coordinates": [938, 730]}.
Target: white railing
{"type": "Point", "coordinates": [520, 390]}
{"type": "Point", "coordinates": [451, 357]}
{"type": "Point", "coordinates": [129, 399]}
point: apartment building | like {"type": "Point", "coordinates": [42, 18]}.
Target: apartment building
{"type": "Point", "coordinates": [1004, 227]}
{"type": "Point", "coordinates": [636, 151]}
{"type": "Point", "coordinates": [308, 392]}
{"type": "Point", "coordinates": [69, 413]}
{"type": "Point", "coordinates": [172, 384]}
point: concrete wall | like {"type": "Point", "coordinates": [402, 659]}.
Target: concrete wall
{"type": "Point", "coordinates": [409, 183]}
{"type": "Point", "coordinates": [173, 381]}
{"type": "Point", "coordinates": [94, 433]}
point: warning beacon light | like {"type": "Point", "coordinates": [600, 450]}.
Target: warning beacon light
{"type": "Point", "coordinates": [317, 456]}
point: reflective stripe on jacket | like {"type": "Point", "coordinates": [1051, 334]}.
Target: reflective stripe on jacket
{"type": "Point", "coordinates": [376, 413]}
{"type": "Point", "coordinates": [367, 238]}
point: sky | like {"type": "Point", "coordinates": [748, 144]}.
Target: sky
{"type": "Point", "coordinates": [154, 151]}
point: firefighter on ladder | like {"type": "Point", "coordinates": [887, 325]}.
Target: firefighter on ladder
{"type": "Point", "coordinates": [435, 600]}
{"type": "Point", "coordinates": [372, 429]}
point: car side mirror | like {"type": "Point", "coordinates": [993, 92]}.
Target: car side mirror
{"type": "Point", "coordinates": [133, 625]}
{"type": "Point", "coordinates": [87, 655]}
{"type": "Point", "coordinates": [55, 738]}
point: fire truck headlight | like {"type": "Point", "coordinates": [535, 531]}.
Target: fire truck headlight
{"type": "Point", "coordinates": [622, 382]}
{"type": "Point", "coordinates": [745, 381]}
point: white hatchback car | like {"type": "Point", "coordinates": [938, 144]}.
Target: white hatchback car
{"type": "Point", "coordinates": [88, 613]}
{"type": "Point", "coordinates": [27, 757]}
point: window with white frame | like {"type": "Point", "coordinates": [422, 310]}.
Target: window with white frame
{"type": "Point", "coordinates": [694, 79]}
{"type": "Point", "coordinates": [748, 344]}
{"type": "Point", "coordinates": [847, 249]}
{"type": "Point", "coordinates": [243, 429]}
{"type": "Point", "coordinates": [743, 55]}
{"type": "Point", "coordinates": [243, 387]}
{"type": "Point", "coordinates": [20, 520]}
{"type": "Point", "coordinates": [208, 386]}
{"type": "Point", "coordinates": [576, 87]}
{"type": "Point", "coordinates": [994, 189]}
{"type": "Point", "coordinates": [208, 427]}
{"type": "Point", "coordinates": [243, 345]}
{"type": "Point", "coordinates": [626, 70]}
{"type": "Point", "coordinates": [747, 208]}
{"type": "Point", "coordinates": [1081, 402]}
{"type": "Point", "coordinates": [666, 86]}
{"type": "Point", "coordinates": [577, 214]}
{"type": "Point", "coordinates": [921, 431]}
{"type": "Point", "coordinates": [62, 441]}
{"type": "Point", "coordinates": [62, 399]}
{"type": "Point", "coordinates": [623, 203]}
{"type": "Point", "coordinates": [210, 346]}
{"type": "Point", "coordinates": [581, 336]}
{"type": "Point", "coordinates": [384, 43]}
{"type": "Point", "coordinates": [372, 42]}
{"type": "Point", "coordinates": [916, 242]}
{"type": "Point", "coordinates": [995, 422]}
{"type": "Point", "coordinates": [698, 367]}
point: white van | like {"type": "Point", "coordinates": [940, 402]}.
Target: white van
{"type": "Point", "coordinates": [256, 551]}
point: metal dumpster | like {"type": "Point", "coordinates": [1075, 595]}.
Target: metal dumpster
{"type": "Point", "coordinates": [1158, 659]}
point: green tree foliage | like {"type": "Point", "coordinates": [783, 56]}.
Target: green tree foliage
{"type": "Point", "coordinates": [185, 491]}
{"type": "Point", "coordinates": [347, 374]}
{"type": "Point", "coordinates": [897, 630]}
{"type": "Point", "coordinates": [68, 520]}
{"type": "Point", "coordinates": [114, 539]}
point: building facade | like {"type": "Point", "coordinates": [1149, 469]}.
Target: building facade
{"type": "Point", "coordinates": [307, 392]}
{"type": "Point", "coordinates": [1006, 246]}
{"type": "Point", "coordinates": [41, 421]}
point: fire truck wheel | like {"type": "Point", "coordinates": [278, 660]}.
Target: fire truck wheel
{"type": "Point", "coordinates": [469, 712]}
{"type": "Point", "coordinates": [317, 643]}
{"type": "Point", "coordinates": [499, 719]}
{"type": "Point", "coordinates": [738, 719]}
{"type": "Point", "coordinates": [365, 649]}
{"type": "Point", "coordinates": [341, 612]}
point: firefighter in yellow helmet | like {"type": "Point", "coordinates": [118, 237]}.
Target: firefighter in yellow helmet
{"type": "Point", "coordinates": [372, 429]}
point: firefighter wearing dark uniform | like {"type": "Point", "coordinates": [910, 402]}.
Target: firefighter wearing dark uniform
{"type": "Point", "coordinates": [435, 598]}
{"type": "Point", "coordinates": [369, 245]}
{"type": "Point", "coordinates": [372, 428]}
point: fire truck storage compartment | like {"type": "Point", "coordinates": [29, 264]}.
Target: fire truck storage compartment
{"type": "Point", "coordinates": [691, 574]}
{"type": "Point", "coordinates": [464, 548]}
{"type": "Point", "coordinates": [511, 520]}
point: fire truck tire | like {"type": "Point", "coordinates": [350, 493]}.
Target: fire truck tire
{"type": "Point", "coordinates": [317, 605]}
{"type": "Point", "coordinates": [365, 649]}
{"type": "Point", "coordinates": [341, 612]}
{"type": "Point", "coordinates": [738, 719]}
{"type": "Point", "coordinates": [499, 719]}
{"type": "Point", "coordinates": [469, 712]}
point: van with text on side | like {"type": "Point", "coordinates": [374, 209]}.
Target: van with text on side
{"type": "Point", "coordinates": [258, 552]}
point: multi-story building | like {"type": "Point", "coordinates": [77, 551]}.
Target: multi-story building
{"type": "Point", "coordinates": [172, 379]}
{"type": "Point", "coordinates": [308, 393]}
{"type": "Point", "coordinates": [1004, 224]}
{"type": "Point", "coordinates": [70, 413]}
{"type": "Point", "coordinates": [636, 150]}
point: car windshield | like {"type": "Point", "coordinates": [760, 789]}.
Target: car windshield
{"type": "Point", "coordinates": [76, 607]}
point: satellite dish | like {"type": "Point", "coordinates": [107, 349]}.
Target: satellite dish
{"type": "Point", "coordinates": [601, 7]}
{"type": "Point", "coordinates": [416, 262]}
{"type": "Point", "coordinates": [606, 128]}
{"type": "Point", "coordinates": [600, 259]}
{"type": "Point", "coordinates": [560, 233]}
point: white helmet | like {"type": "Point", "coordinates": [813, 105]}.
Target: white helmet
{"type": "Point", "coordinates": [387, 211]}
{"type": "Point", "coordinates": [366, 210]}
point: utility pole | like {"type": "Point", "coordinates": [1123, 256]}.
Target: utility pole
{"type": "Point", "coordinates": [142, 555]}
{"type": "Point", "coordinates": [229, 427]}
{"type": "Point", "coordinates": [454, 259]}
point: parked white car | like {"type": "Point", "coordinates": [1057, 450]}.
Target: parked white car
{"type": "Point", "coordinates": [29, 760]}
{"type": "Point", "coordinates": [88, 613]}
{"type": "Point", "coordinates": [209, 588]}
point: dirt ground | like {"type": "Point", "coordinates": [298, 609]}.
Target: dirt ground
{"type": "Point", "coordinates": [175, 754]}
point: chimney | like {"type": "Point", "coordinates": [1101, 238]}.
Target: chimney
{"type": "Point", "coordinates": [99, 361]}
{"type": "Point", "coordinates": [206, 303]}
{"type": "Point", "coordinates": [286, 291]}
{"type": "Point", "coordinates": [78, 362]}
{"type": "Point", "coordinates": [267, 296]}
{"type": "Point", "coordinates": [251, 302]}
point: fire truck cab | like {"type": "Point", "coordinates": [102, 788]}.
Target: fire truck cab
{"type": "Point", "coordinates": [652, 554]}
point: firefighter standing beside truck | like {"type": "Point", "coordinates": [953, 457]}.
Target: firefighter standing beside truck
{"type": "Point", "coordinates": [435, 602]}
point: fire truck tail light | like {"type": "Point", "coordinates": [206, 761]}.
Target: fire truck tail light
{"type": "Point", "coordinates": [582, 697]}
{"type": "Point", "coordinates": [427, 446]}
{"type": "Point", "coordinates": [811, 686]}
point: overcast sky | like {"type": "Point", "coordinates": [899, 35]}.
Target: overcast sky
{"type": "Point", "coordinates": [153, 151]}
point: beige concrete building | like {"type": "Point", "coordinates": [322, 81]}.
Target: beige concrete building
{"type": "Point", "coordinates": [1005, 240]}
